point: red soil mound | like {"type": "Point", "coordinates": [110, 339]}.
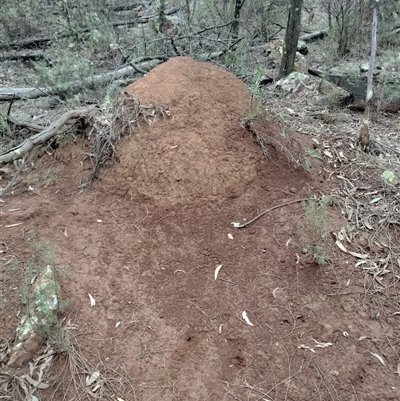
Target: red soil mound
{"type": "Point", "coordinates": [201, 151]}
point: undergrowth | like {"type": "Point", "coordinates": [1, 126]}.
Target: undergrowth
{"type": "Point", "coordinates": [43, 302]}
{"type": "Point", "coordinates": [314, 227]}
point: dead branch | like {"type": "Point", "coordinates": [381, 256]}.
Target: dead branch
{"type": "Point", "coordinates": [313, 36]}
{"type": "Point", "coordinates": [25, 57]}
{"type": "Point", "coordinates": [36, 43]}
{"type": "Point", "coordinates": [43, 136]}
{"type": "Point", "coordinates": [24, 124]}
{"type": "Point", "coordinates": [386, 98]}
{"type": "Point", "coordinates": [73, 86]}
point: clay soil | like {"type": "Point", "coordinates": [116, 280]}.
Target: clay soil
{"type": "Point", "coordinates": [146, 238]}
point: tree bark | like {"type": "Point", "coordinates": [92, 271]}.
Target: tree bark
{"type": "Point", "coordinates": [291, 38]}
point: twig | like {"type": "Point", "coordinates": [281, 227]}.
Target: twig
{"type": "Point", "coordinates": [238, 225]}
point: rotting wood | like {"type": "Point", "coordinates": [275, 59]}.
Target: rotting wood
{"type": "Point", "coordinates": [28, 144]}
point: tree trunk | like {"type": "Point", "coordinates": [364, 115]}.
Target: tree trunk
{"type": "Point", "coordinates": [291, 38]}
{"type": "Point", "coordinates": [236, 18]}
{"type": "Point", "coordinates": [364, 138]}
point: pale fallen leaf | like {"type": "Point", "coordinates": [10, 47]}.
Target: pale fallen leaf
{"type": "Point", "coordinates": [90, 380]}
{"type": "Point", "coordinates": [230, 236]}
{"type": "Point", "coordinates": [99, 221]}
{"type": "Point", "coordinates": [321, 344]}
{"type": "Point", "coordinates": [380, 359]}
{"type": "Point", "coordinates": [375, 200]}
{"type": "Point", "coordinates": [368, 225]}
{"type": "Point", "coordinates": [117, 324]}
{"type": "Point", "coordinates": [246, 319]}
{"type": "Point", "coordinates": [358, 255]}
{"type": "Point", "coordinates": [220, 328]}
{"type": "Point", "coordinates": [13, 225]}
{"type": "Point", "coordinates": [302, 346]}
{"type": "Point", "coordinates": [65, 233]}
{"type": "Point", "coordinates": [341, 246]}
{"type": "Point", "coordinates": [217, 271]}
{"type": "Point", "coordinates": [92, 300]}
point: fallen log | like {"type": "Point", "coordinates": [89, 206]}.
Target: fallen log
{"type": "Point", "coordinates": [386, 96]}
{"type": "Point", "coordinates": [313, 36]}
{"type": "Point", "coordinates": [28, 144]}
{"type": "Point", "coordinates": [38, 43]}
{"type": "Point", "coordinates": [25, 57]}
{"type": "Point", "coordinates": [75, 86]}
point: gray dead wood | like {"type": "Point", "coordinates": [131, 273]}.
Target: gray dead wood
{"type": "Point", "coordinates": [40, 43]}
{"type": "Point", "coordinates": [387, 97]}
{"type": "Point", "coordinates": [28, 144]}
{"type": "Point", "coordinates": [75, 86]}
{"type": "Point", "coordinates": [313, 36]}
{"type": "Point", "coordinates": [25, 57]}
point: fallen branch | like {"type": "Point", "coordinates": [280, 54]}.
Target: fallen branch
{"type": "Point", "coordinates": [313, 36]}
{"type": "Point", "coordinates": [43, 136]}
{"type": "Point", "coordinates": [74, 86]}
{"type": "Point", "coordinates": [387, 96]}
{"type": "Point", "coordinates": [24, 124]}
{"type": "Point", "coordinates": [25, 57]}
{"type": "Point", "coordinates": [36, 43]}
{"type": "Point", "coordinates": [239, 225]}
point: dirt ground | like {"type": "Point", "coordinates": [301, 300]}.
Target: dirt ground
{"type": "Point", "coordinates": [145, 241]}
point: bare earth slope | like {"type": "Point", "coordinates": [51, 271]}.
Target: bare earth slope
{"type": "Point", "coordinates": [145, 241]}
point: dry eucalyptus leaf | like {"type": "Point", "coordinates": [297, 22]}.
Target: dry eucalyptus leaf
{"type": "Point", "coordinates": [321, 344]}
{"type": "Point", "coordinates": [341, 246]}
{"type": "Point", "coordinates": [380, 359]}
{"type": "Point", "coordinates": [246, 319]}
{"type": "Point", "coordinates": [217, 271]}
{"type": "Point", "coordinates": [92, 300]}
{"type": "Point", "coordinates": [358, 255]}
{"type": "Point", "coordinates": [90, 380]}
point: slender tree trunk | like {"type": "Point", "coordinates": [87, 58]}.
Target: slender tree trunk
{"type": "Point", "coordinates": [291, 38]}
{"type": "Point", "coordinates": [161, 17]}
{"type": "Point", "coordinates": [364, 138]}
{"type": "Point", "coordinates": [236, 18]}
